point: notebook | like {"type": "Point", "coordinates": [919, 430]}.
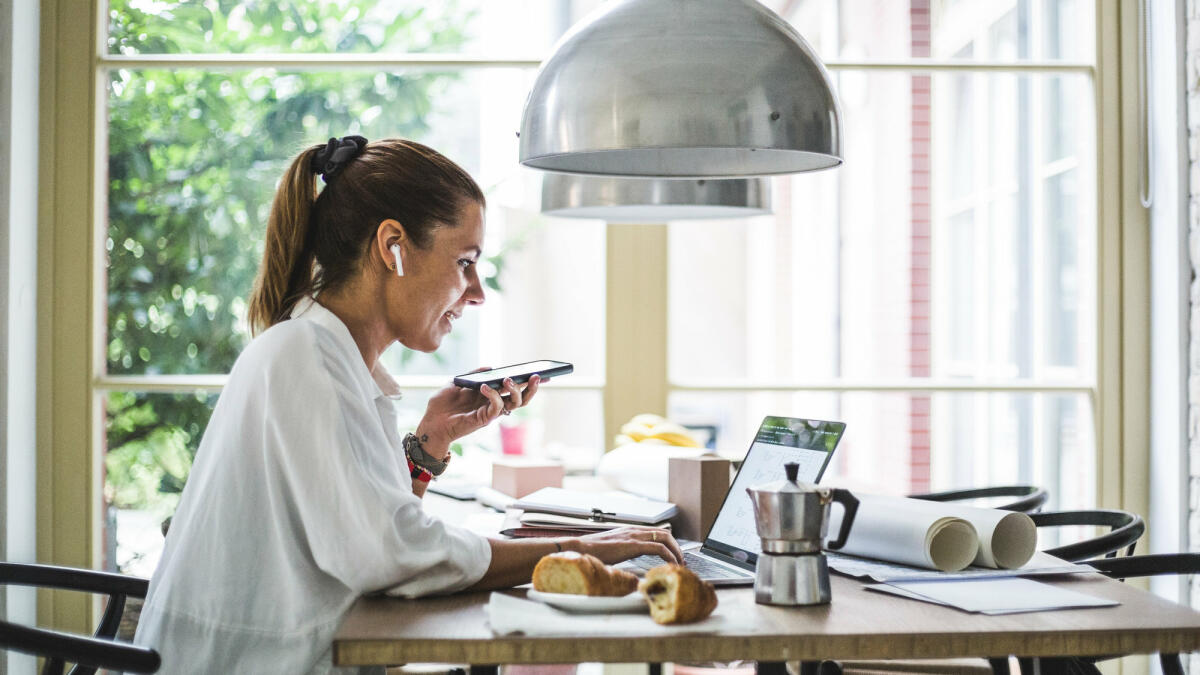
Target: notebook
{"type": "Point", "coordinates": [730, 549]}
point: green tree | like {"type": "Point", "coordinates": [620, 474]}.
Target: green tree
{"type": "Point", "coordinates": [194, 156]}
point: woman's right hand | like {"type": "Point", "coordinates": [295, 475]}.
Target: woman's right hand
{"type": "Point", "coordinates": [614, 546]}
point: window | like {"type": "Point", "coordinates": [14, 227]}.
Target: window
{"type": "Point", "coordinates": [941, 292]}
{"type": "Point", "coordinates": [937, 292]}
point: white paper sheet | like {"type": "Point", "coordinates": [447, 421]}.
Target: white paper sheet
{"type": "Point", "coordinates": [1040, 564]}
{"type": "Point", "coordinates": [995, 596]}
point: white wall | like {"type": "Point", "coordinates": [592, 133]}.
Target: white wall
{"type": "Point", "coordinates": [18, 317]}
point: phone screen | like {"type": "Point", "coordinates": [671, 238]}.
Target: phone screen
{"type": "Point", "coordinates": [511, 371]}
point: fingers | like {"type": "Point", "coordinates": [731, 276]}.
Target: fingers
{"type": "Point", "coordinates": [514, 394]}
{"type": "Point", "coordinates": [531, 388]}
{"type": "Point", "coordinates": [665, 541]}
{"type": "Point", "coordinates": [519, 396]}
{"type": "Point", "coordinates": [494, 406]}
{"type": "Point", "coordinates": [662, 551]}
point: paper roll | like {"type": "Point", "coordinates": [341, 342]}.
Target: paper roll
{"type": "Point", "coordinates": [892, 528]}
{"type": "Point", "coordinates": [937, 535]}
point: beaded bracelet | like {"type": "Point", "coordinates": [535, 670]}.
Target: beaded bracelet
{"type": "Point", "coordinates": [419, 473]}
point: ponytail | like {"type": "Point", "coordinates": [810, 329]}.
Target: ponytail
{"type": "Point", "coordinates": [286, 273]}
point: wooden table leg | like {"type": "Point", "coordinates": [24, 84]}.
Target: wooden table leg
{"type": "Point", "coordinates": [655, 668]}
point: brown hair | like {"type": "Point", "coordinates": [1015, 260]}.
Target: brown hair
{"type": "Point", "coordinates": [316, 241]}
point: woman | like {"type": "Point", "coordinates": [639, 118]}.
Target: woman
{"type": "Point", "coordinates": [303, 495]}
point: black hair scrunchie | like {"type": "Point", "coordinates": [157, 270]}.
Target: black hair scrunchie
{"type": "Point", "coordinates": [337, 152]}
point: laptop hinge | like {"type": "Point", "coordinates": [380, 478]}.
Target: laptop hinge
{"type": "Point", "coordinates": [728, 559]}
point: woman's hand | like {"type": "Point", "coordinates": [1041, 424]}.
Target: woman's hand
{"type": "Point", "coordinates": [456, 411]}
{"type": "Point", "coordinates": [614, 546]}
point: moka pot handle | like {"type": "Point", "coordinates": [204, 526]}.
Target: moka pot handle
{"type": "Point", "coordinates": [850, 504]}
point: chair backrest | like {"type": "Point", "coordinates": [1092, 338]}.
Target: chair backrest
{"type": "Point", "coordinates": [88, 653]}
{"type": "Point", "coordinates": [1125, 530]}
{"type": "Point", "coordinates": [1025, 498]}
{"type": "Point", "coordinates": [1148, 565]}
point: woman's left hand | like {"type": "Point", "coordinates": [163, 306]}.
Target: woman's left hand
{"type": "Point", "coordinates": [456, 411]}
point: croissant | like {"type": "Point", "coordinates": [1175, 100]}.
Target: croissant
{"type": "Point", "coordinates": [580, 574]}
{"type": "Point", "coordinates": [676, 595]}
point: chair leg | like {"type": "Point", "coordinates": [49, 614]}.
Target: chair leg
{"type": "Point", "coordinates": [1171, 665]}
{"type": "Point", "coordinates": [655, 668]}
{"type": "Point", "coordinates": [485, 670]}
{"type": "Point", "coordinates": [1000, 666]}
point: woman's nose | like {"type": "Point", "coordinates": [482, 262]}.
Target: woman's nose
{"type": "Point", "coordinates": [474, 293]}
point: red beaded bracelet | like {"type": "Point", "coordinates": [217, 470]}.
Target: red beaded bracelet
{"type": "Point", "coordinates": [419, 473]}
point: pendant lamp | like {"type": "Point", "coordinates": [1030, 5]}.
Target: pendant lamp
{"type": "Point", "coordinates": [650, 200]}
{"type": "Point", "coordinates": [682, 89]}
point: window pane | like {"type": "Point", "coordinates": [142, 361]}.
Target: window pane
{"type": "Point", "coordinates": [526, 28]}
{"type": "Point", "coordinates": [150, 441]}
{"type": "Point", "coordinates": [890, 266]}
{"type": "Point", "coordinates": [194, 158]}
{"type": "Point", "coordinates": [902, 443]}
{"type": "Point", "coordinates": [1005, 30]}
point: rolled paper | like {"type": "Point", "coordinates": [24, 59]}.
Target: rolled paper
{"type": "Point", "coordinates": [937, 535]}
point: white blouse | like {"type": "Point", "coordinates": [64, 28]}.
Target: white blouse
{"type": "Point", "coordinates": [299, 501]}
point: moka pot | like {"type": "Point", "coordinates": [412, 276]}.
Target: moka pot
{"type": "Point", "coordinates": [792, 520]}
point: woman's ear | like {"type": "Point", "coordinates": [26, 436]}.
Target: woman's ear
{"type": "Point", "coordinates": [389, 235]}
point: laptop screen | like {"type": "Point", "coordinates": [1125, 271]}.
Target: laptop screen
{"type": "Point", "coordinates": [809, 443]}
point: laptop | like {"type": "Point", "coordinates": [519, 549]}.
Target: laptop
{"type": "Point", "coordinates": [730, 549]}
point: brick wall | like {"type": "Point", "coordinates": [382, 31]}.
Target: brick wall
{"type": "Point", "coordinates": [918, 350]}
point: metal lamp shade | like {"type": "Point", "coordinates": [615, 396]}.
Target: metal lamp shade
{"type": "Point", "coordinates": [645, 200]}
{"type": "Point", "coordinates": [682, 89]}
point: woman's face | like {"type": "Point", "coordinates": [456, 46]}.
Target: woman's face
{"type": "Point", "coordinates": [440, 280]}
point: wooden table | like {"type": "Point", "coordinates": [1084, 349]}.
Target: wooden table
{"type": "Point", "coordinates": [859, 624]}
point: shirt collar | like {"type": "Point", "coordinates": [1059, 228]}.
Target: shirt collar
{"type": "Point", "coordinates": [381, 381]}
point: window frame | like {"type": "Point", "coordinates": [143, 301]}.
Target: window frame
{"type": "Point", "coordinates": [71, 278]}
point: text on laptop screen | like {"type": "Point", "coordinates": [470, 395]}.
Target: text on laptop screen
{"type": "Point", "coordinates": [809, 443]}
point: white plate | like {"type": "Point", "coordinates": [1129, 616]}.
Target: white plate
{"type": "Point", "coordinates": [592, 604]}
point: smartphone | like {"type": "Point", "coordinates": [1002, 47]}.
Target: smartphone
{"type": "Point", "coordinates": [519, 373]}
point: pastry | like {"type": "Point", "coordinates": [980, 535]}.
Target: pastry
{"type": "Point", "coordinates": [677, 595]}
{"type": "Point", "coordinates": [580, 574]}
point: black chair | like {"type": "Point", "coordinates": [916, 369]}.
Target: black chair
{"type": "Point", "coordinates": [1125, 529]}
{"type": "Point", "coordinates": [1124, 568]}
{"type": "Point", "coordinates": [87, 653]}
{"type": "Point", "coordinates": [1024, 498]}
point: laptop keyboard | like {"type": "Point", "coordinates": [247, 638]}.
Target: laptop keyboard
{"type": "Point", "coordinates": [703, 567]}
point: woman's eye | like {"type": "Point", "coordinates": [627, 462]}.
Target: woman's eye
{"type": "Point", "coordinates": [466, 262]}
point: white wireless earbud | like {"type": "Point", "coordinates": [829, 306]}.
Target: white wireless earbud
{"type": "Point", "coordinates": [395, 249]}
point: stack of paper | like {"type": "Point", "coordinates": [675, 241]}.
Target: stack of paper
{"type": "Point", "coordinates": [557, 512]}
{"type": "Point", "coordinates": [532, 524]}
{"type": "Point", "coordinates": [598, 506]}
{"type": "Point", "coordinates": [993, 596]}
